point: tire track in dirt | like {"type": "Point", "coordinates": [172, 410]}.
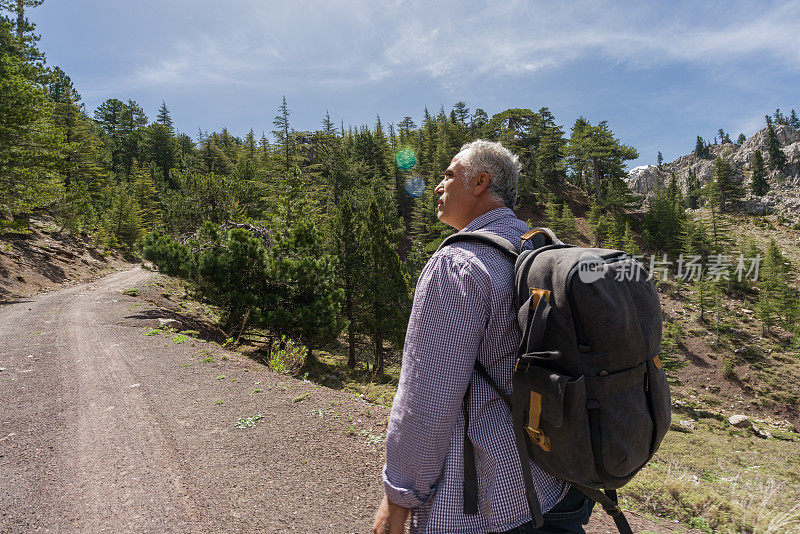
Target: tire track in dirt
{"type": "Point", "coordinates": [124, 468]}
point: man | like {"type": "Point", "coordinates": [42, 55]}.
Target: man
{"type": "Point", "coordinates": [462, 311]}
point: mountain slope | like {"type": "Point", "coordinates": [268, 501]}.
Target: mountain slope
{"type": "Point", "coordinates": [784, 194]}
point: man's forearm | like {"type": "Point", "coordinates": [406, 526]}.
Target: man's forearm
{"type": "Point", "coordinates": [390, 518]}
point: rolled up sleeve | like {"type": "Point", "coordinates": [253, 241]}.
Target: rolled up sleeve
{"type": "Point", "coordinates": [445, 331]}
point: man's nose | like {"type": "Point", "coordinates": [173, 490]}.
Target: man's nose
{"type": "Point", "coordinates": [439, 188]}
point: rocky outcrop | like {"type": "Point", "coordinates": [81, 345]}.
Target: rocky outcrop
{"type": "Point", "coordinates": [741, 421]}
{"type": "Point", "coordinates": [784, 194]}
{"type": "Point", "coordinates": [743, 156]}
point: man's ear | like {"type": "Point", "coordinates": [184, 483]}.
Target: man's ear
{"type": "Point", "coordinates": [481, 183]}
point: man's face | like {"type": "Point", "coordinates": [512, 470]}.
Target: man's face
{"type": "Point", "coordinates": [456, 200]}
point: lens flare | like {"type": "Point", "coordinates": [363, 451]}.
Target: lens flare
{"type": "Point", "coordinates": [405, 159]}
{"type": "Point", "coordinates": [415, 186]}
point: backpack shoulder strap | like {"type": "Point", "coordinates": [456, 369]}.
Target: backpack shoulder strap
{"type": "Point", "coordinates": [539, 236]}
{"type": "Point", "coordinates": [487, 238]}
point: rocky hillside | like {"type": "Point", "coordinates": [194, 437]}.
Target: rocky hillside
{"type": "Point", "coordinates": [44, 257]}
{"type": "Point", "coordinates": [784, 194]}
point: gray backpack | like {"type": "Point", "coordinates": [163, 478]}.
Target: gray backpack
{"type": "Point", "coordinates": [590, 401]}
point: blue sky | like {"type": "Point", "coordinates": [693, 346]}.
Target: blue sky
{"type": "Point", "coordinates": [659, 72]}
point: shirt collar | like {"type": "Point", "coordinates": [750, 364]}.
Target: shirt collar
{"type": "Point", "coordinates": [487, 218]}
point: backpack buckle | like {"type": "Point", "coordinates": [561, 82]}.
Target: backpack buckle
{"type": "Point", "coordinates": [539, 438]}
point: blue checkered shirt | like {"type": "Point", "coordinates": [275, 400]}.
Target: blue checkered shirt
{"type": "Point", "coordinates": [462, 310]}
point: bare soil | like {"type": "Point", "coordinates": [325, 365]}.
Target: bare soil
{"type": "Point", "coordinates": [46, 259]}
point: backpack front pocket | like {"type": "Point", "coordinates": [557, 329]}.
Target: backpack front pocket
{"type": "Point", "coordinates": [621, 439]}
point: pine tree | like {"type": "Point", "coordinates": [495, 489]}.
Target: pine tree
{"type": "Point", "coordinates": [125, 219]}
{"type": "Point", "coordinates": [728, 187]}
{"type": "Point", "coordinates": [229, 272]}
{"type": "Point", "coordinates": [146, 194]}
{"type": "Point", "coordinates": [132, 125]}
{"type": "Point", "coordinates": [718, 226]}
{"type": "Point", "coordinates": [552, 214]}
{"type": "Point", "coordinates": [628, 242]}
{"type": "Point", "coordinates": [382, 153]}
{"type": "Point", "coordinates": [569, 227]}
{"type": "Point", "coordinates": [249, 146]}
{"type": "Point", "coordinates": [302, 297]}
{"type": "Point", "coordinates": [759, 185]}
{"type": "Point", "coordinates": [576, 151]}
{"type": "Point", "coordinates": [664, 219]}
{"type": "Point", "coordinates": [702, 149]}
{"type": "Point", "coordinates": [109, 116]}
{"type": "Point", "coordinates": [550, 152]}
{"type": "Point", "coordinates": [76, 211]}
{"type": "Point", "coordinates": [168, 255]}
{"type": "Point", "coordinates": [794, 121]}
{"type": "Point", "coordinates": [200, 197]}
{"type": "Point", "coordinates": [281, 133]}
{"type": "Point", "coordinates": [159, 146]}
{"type": "Point", "coordinates": [595, 149]}
{"type": "Point", "coordinates": [461, 112]}
{"type": "Point", "coordinates": [347, 231]}
{"type": "Point", "coordinates": [775, 293]}
{"type": "Point", "coordinates": [213, 157]}
{"type": "Point", "coordinates": [741, 140]}
{"type": "Point", "coordinates": [26, 40]}
{"type": "Point", "coordinates": [264, 150]}
{"type": "Point", "coordinates": [164, 119]}
{"type": "Point", "coordinates": [777, 159]}
{"type": "Point", "coordinates": [386, 285]}
{"type": "Point", "coordinates": [80, 151]}
{"type": "Point", "coordinates": [660, 159]}
{"type": "Point", "coordinates": [693, 191]}
{"type": "Point", "coordinates": [601, 224]}
{"type": "Point", "coordinates": [695, 241]}
{"type": "Point", "coordinates": [479, 120]}
{"type": "Point", "coordinates": [28, 142]}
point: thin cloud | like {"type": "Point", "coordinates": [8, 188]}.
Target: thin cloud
{"type": "Point", "coordinates": [535, 38]}
{"type": "Point", "coordinates": [449, 43]}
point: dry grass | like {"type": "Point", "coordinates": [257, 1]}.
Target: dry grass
{"type": "Point", "coordinates": [720, 479]}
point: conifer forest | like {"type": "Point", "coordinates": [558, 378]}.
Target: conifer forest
{"type": "Point", "coordinates": [312, 234]}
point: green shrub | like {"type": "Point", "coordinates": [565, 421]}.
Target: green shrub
{"type": "Point", "coordinates": [670, 344]}
{"type": "Point", "coordinates": [287, 356]}
{"type": "Point", "coordinates": [167, 254]}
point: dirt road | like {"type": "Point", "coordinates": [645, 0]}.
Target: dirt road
{"type": "Point", "coordinates": [106, 429]}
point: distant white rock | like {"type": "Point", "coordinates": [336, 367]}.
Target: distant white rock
{"type": "Point", "coordinates": [644, 178]}
{"type": "Point", "coordinates": [637, 170]}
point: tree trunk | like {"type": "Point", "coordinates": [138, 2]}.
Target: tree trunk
{"type": "Point", "coordinates": [20, 19]}
{"type": "Point", "coordinates": [379, 352]}
{"type": "Point", "coordinates": [596, 179]}
{"type": "Point", "coordinates": [351, 334]}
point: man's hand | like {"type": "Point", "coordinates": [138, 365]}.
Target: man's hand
{"type": "Point", "coordinates": [390, 518]}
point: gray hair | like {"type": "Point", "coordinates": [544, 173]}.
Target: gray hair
{"type": "Point", "coordinates": [499, 162]}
